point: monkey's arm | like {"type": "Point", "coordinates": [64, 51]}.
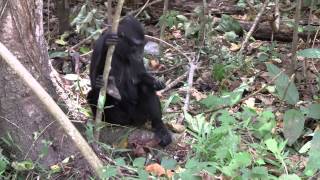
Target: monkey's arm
{"type": "Point", "coordinates": [152, 82]}
{"type": "Point", "coordinates": [99, 57]}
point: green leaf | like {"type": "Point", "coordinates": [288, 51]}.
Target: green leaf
{"type": "Point", "coordinates": [289, 177]}
{"type": "Point", "coordinates": [212, 101]}
{"type": "Point", "coordinates": [313, 111]}
{"type": "Point", "coordinates": [139, 162]}
{"type": "Point", "coordinates": [314, 163]}
{"type": "Point", "coordinates": [120, 161]}
{"type": "Point", "coordinates": [263, 127]}
{"type": "Point", "coordinates": [228, 24]}
{"type": "Point", "coordinates": [310, 53]}
{"type": "Point", "coordinates": [259, 172]}
{"type": "Point", "coordinates": [108, 172]}
{"type": "Point", "coordinates": [84, 50]}
{"type": "Point", "coordinates": [240, 160]}
{"type": "Point", "coordinates": [231, 36]}
{"type": "Point", "coordinates": [173, 99]}
{"type": "Point", "coordinates": [305, 148]}
{"type": "Point", "coordinates": [293, 125]}
{"type": "Point", "coordinates": [61, 42]}
{"type": "Point", "coordinates": [218, 72]}
{"type": "Point", "coordinates": [168, 163]}
{"type": "Point", "coordinates": [143, 174]}
{"type": "Point", "coordinates": [58, 54]}
{"type": "Point", "coordinates": [182, 18]}
{"type": "Point", "coordinates": [3, 163]}
{"type": "Point", "coordinates": [272, 145]}
{"type": "Point", "coordinates": [23, 165]}
{"type": "Point", "coordinates": [283, 86]}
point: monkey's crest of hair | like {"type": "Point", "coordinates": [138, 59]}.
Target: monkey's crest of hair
{"type": "Point", "coordinates": [130, 26]}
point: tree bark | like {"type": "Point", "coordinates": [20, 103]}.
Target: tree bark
{"type": "Point", "coordinates": [22, 115]}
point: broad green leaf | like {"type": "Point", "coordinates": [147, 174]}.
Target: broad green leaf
{"type": "Point", "coordinates": [310, 53]}
{"type": "Point", "coordinates": [23, 165]}
{"type": "Point", "coordinates": [56, 54]}
{"type": "Point", "coordinates": [228, 23]}
{"type": "Point", "coordinates": [266, 122]}
{"type": "Point", "coordinates": [283, 86]}
{"type": "Point", "coordinates": [139, 162]}
{"type": "Point", "coordinates": [272, 145]}
{"type": "Point", "coordinates": [108, 172]}
{"type": "Point", "coordinates": [313, 111]}
{"type": "Point", "coordinates": [3, 163]}
{"type": "Point", "coordinates": [182, 18]}
{"type": "Point", "coordinates": [212, 101]}
{"type": "Point", "coordinates": [305, 148]}
{"type": "Point", "coordinates": [197, 123]}
{"type": "Point", "coordinates": [120, 161]}
{"type": "Point", "coordinates": [259, 172]}
{"type": "Point", "coordinates": [231, 36]}
{"type": "Point", "coordinates": [143, 174]}
{"type": "Point", "coordinates": [174, 98]}
{"type": "Point", "coordinates": [168, 163]}
{"type": "Point", "coordinates": [289, 177]}
{"type": "Point", "coordinates": [84, 50]}
{"type": "Point", "coordinates": [240, 160]}
{"type": "Point", "coordinates": [61, 42]}
{"type": "Point", "coordinates": [293, 125]}
{"type": "Point", "coordinates": [314, 156]}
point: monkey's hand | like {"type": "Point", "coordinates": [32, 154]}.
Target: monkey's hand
{"type": "Point", "coordinates": [99, 82]}
{"type": "Point", "coordinates": [111, 39]}
{"type": "Point", "coordinates": [158, 85]}
{"type": "Point", "coordinates": [112, 89]}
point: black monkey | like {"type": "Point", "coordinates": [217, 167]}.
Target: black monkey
{"type": "Point", "coordinates": [132, 99]}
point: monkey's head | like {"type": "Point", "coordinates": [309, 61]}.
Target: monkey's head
{"type": "Point", "coordinates": [131, 39]}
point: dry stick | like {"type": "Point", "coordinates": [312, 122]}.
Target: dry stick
{"type": "Point", "coordinates": [164, 24]}
{"type": "Point", "coordinates": [313, 42]}
{"type": "Point", "coordinates": [168, 44]}
{"type": "Point", "coordinates": [295, 37]}
{"type": "Point", "coordinates": [175, 82]}
{"type": "Point", "coordinates": [142, 8]}
{"type": "Point", "coordinates": [88, 38]}
{"type": "Point", "coordinates": [107, 67]}
{"type": "Point", "coordinates": [109, 11]}
{"type": "Point", "coordinates": [169, 69]}
{"type": "Point", "coordinates": [308, 40]}
{"type": "Point", "coordinates": [194, 62]}
{"type": "Point", "coordinates": [53, 108]}
{"type": "Point", "coordinates": [150, 4]}
{"type": "Point", "coordinates": [255, 23]}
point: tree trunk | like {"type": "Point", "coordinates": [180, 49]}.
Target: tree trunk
{"type": "Point", "coordinates": [22, 115]}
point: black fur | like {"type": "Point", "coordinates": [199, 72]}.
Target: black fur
{"type": "Point", "coordinates": [136, 101]}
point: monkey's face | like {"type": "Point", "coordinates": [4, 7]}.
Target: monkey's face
{"type": "Point", "coordinates": [131, 48]}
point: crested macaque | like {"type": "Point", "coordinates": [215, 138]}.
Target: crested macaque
{"type": "Point", "coordinates": [131, 96]}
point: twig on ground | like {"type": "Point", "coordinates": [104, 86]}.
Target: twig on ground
{"type": "Point", "coordinates": [255, 23]}
{"type": "Point", "coordinates": [142, 8]}
{"type": "Point", "coordinates": [168, 44]}
{"type": "Point", "coordinates": [175, 82]}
